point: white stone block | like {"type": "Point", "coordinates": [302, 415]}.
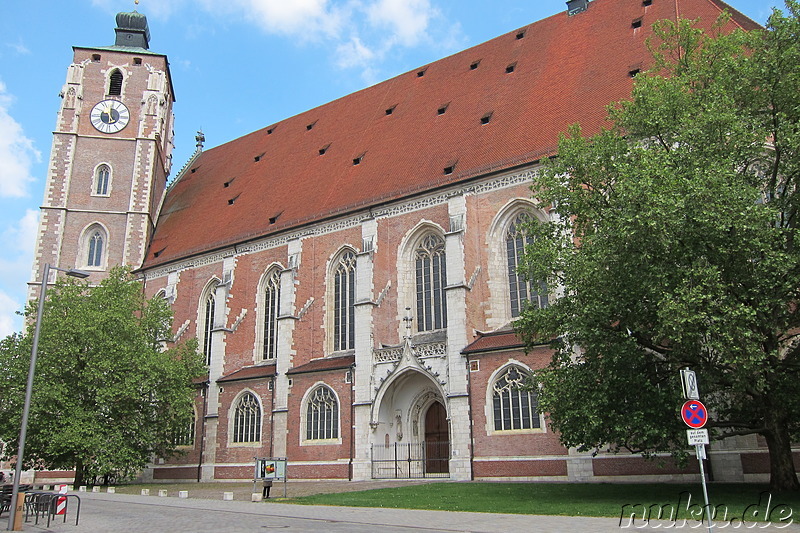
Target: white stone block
{"type": "Point", "coordinates": [162, 493]}
{"type": "Point", "coordinates": [82, 488]}
{"type": "Point", "coordinates": [183, 494]}
{"type": "Point", "coordinates": [112, 490]}
{"type": "Point", "coordinates": [145, 492]}
{"type": "Point", "coordinates": [255, 497]}
{"type": "Point", "coordinates": [96, 488]}
{"type": "Point", "coordinates": [227, 496]}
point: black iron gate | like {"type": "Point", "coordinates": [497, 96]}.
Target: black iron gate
{"type": "Point", "coordinates": [407, 460]}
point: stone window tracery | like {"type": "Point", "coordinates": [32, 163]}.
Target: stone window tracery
{"type": "Point", "coordinates": [322, 415]}
{"type": "Point", "coordinates": [431, 279]}
{"type": "Point", "coordinates": [247, 420]}
{"type": "Point", "coordinates": [515, 402]}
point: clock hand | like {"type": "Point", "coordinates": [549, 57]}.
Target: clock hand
{"type": "Point", "coordinates": [110, 114]}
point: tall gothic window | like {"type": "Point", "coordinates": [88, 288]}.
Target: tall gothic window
{"type": "Point", "coordinates": [344, 299]}
{"type": "Point", "coordinates": [115, 83]}
{"type": "Point", "coordinates": [515, 403]}
{"type": "Point", "coordinates": [208, 323]}
{"type": "Point", "coordinates": [520, 289]}
{"type": "Point", "coordinates": [272, 297]}
{"type": "Point", "coordinates": [431, 279]}
{"type": "Point", "coordinates": [102, 177]}
{"type": "Point", "coordinates": [185, 436]}
{"type": "Point", "coordinates": [322, 415]}
{"type": "Point", "coordinates": [95, 252]}
{"type": "Point", "coordinates": [247, 419]}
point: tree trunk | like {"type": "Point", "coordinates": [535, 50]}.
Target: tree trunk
{"type": "Point", "coordinates": [80, 474]}
{"type": "Point", "coordinates": [782, 474]}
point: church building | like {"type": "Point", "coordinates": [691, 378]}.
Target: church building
{"type": "Point", "coordinates": [351, 272]}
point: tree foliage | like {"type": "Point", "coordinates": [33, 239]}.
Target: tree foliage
{"type": "Point", "coordinates": [108, 394]}
{"type": "Point", "coordinates": [674, 241]}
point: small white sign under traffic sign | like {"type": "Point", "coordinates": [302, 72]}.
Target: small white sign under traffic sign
{"type": "Point", "coordinates": [697, 436]}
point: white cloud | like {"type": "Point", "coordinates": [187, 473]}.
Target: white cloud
{"type": "Point", "coordinates": [17, 153]}
{"type": "Point", "coordinates": [407, 19]}
{"type": "Point", "coordinates": [353, 54]}
{"type": "Point", "coordinates": [18, 241]}
{"type": "Point", "coordinates": [309, 20]}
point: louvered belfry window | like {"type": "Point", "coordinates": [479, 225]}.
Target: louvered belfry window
{"type": "Point", "coordinates": [431, 279]}
{"type": "Point", "coordinates": [115, 84]}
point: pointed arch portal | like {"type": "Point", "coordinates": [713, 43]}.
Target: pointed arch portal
{"type": "Point", "coordinates": [411, 433]}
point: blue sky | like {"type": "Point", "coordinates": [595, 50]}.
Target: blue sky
{"type": "Point", "coordinates": [237, 66]}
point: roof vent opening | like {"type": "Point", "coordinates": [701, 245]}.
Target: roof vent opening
{"type": "Point", "coordinates": [449, 169]}
{"type": "Point", "coordinates": [311, 126]}
{"type": "Point", "coordinates": [520, 34]}
{"type": "Point", "coordinates": [442, 109]}
{"type": "Point", "coordinates": [156, 254]}
{"type": "Point", "coordinates": [511, 68]}
{"type": "Point", "coordinates": [637, 23]}
{"type": "Point", "coordinates": [233, 200]}
{"type": "Point", "coordinates": [228, 183]}
{"type": "Point", "coordinates": [194, 170]}
{"type": "Point", "coordinates": [324, 149]}
{"type": "Point", "coordinates": [357, 160]}
{"type": "Point", "coordinates": [274, 219]}
{"type": "Point", "coordinates": [633, 72]}
{"type": "Point", "coordinates": [487, 117]}
{"type": "Point", "coordinates": [258, 158]}
{"type": "Point", "coordinates": [577, 6]}
{"type": "Point", "coordinates": [421, 73]}
{"type": "Point", "coordinates": [474, 64]}
{"type": "Point", "coordinates": [647, 3]}
{"type": "Point", "coordinates": [390, 110]}
{"type": "Point", "coordinates": [270, 130]}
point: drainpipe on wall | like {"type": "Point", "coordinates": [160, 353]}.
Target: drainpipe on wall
{"type": "Point", "coordinates": [203, 433]}
{"type": "Point", "coordinates": [471, 424]}
{"type": "Point", "coordinates": [272, 418]}
{"type": "Point", "coordinates": [352, 423]}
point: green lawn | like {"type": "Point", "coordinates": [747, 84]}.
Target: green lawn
{"type": "Point", "coordinates": [582, 499]}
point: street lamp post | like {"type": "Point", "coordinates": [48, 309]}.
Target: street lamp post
{"type": "Point", "coordinates": [23, 430]}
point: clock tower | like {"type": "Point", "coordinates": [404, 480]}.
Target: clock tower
{"type": "Point", "coordinates": [111, 155]}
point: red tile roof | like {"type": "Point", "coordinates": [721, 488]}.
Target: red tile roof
{"type": "Point", "coordinates": [250, 372]}
{"type": "Point", "coordinates": [566, 70]}
{"type": "Point", "coordinates": [324, 364]}
{"type": "Point", "coordinates": [496, 340]}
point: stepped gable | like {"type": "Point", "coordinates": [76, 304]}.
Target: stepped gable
{"type": "Point", "coordinates": [397, 138]}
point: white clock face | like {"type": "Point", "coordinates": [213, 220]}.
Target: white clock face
{"type": "Point", "coordinates": [110, 116]}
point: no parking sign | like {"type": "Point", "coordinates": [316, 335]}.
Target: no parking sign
{"type": "Point", "coordinates": [694, 414]}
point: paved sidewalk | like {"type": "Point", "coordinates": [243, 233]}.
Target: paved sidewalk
{"type": "Point", "coordinates": [106, 513]}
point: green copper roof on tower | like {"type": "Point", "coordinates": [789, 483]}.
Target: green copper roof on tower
{"type": "Point", "coordinates": [132, 30]}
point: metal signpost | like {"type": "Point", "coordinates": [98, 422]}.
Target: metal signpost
{"type": "Point", "coordinates": [695, 415]}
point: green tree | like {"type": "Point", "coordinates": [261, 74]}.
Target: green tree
{"type": "Point", "coordinates": [108, 394]}
{"type": "Point", "coordinates": [675, 244]}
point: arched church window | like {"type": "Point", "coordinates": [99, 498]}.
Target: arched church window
{"type": "Point", "coordinates": [95, 252]}
{"type": "Point", "coordinates": [322, 415]}
{"type": "Point", "coordinates": [272, 297]}
{"type": "Point", "coordinates": [431, 279]}
{"type": "Point", "coordinates": [344, 299]}
{"type": "Point", "coordinates": [115, 83]}
{"type": "Point", "coordinates": [101, 180]}
{"type": "Point", "coordinates": [247, 419]}
{"type": "Point", "coordinates": [515, 401]}
{"type": "Point", "coordinates": [185, 435]}
{"type": "Point", "coordinates": [209, 303]}
{"type": "Point", "coordinates": [520, 289]}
